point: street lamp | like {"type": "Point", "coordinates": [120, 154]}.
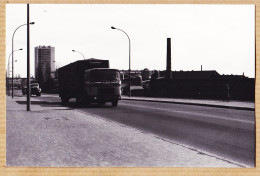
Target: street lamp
{"type": "Point", "coordinates": [112, 27]}
{"type": "Point", "coordinates": [8, 67]}
{"type": "Point", "coordinates": [13, 56]}
{"type": "Point", "coordinates": [79, 53]}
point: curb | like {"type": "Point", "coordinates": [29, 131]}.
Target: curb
{"type": "Point", "coordinates": [196, 104]}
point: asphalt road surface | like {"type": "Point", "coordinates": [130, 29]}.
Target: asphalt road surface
{"type": "Point", "coordinates": [225, 133]}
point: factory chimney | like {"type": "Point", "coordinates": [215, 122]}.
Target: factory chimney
{"type": "Point", "coordinates": [168, 62]}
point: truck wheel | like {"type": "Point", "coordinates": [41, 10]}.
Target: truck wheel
{"type": "Point", "coordinates": [38, 94]}
{"type": "Point", "coordinates": [64, 101]}
{"type": "Point", "coordinates": [87, 102]}
{"type": "Point", "coordinates": [114, 103]}
{"type": "Point", "coordinates": [78, 101]}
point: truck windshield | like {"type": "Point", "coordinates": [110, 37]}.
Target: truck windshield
{"type": "Point", "coordinates": [104, 75]}
{"type": "Point", "coordinates": [34, 85]}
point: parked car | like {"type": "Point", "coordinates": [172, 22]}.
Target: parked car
{"type": "Point", "coordinates": [35, 89]}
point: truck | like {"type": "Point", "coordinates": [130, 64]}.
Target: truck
{"type": "Point", "coordinates": [89, 81]}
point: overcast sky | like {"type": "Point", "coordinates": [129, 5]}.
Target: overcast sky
{"type": "Point", "coordinates": [218, 37]}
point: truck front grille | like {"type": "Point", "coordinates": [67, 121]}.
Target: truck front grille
{"type": "Point", "coordinates": [34, 89]}
{"type": "Point", "coordinates": [106, 91]}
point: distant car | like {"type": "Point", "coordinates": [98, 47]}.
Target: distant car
{"type": "Point", "coordinates": [147, 85]}
{"type": "Point", "coordinates": [35, 89]}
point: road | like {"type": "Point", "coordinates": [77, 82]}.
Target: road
{"type": "Point", "coordinates": [226, 133]}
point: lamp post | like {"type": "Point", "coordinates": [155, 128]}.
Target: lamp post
{"type": "Point", "coordinates": [13, 57]}
{"type": "Point", "coordinates": [112, 27]}
{"type": "Point", "coordinates": [79, 53]}
{"type": "Point", "coordinates": [8, 68]}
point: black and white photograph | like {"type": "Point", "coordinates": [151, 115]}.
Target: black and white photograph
{"type": "Point", "coordinates": [130, 85]}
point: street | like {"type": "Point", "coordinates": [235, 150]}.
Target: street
{"type": "Point", "coordinates": [224, 134]}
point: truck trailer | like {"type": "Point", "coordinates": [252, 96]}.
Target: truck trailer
{"type": "Point", "coordinates": [88, 81]}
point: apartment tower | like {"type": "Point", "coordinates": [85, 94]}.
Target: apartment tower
{"type": "Point", "coordinates": [44, 63]}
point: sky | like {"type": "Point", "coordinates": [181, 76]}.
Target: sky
{"type": "Point", "coordinates": [218, 37]}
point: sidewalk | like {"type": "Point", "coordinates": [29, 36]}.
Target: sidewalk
{"type": "Point", "coordinates": [240, 105]}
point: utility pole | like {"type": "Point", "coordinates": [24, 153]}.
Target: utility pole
{"type": "Point", "coordinates": [168, 62]}
{"type": "Point", "coordinates": [28, 60]}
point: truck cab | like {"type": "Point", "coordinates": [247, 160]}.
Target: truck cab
{"type": "Point", "coordinates": [103, 85]}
